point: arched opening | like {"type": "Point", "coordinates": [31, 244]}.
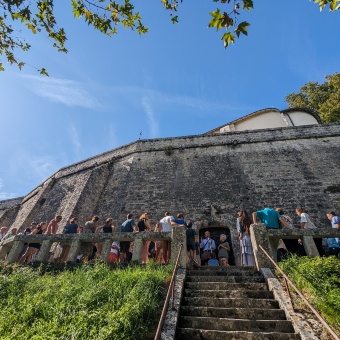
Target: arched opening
{"type": "Point", "coordinates": [215, 233]}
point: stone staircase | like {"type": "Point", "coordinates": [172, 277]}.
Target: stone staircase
{"type": "Point", "coordinates": [230, 303]}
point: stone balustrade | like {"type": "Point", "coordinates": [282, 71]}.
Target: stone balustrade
{"type": "Point", "coordinates": [11, 248]}
{"type": "Point", "coordinates": [269, 239]}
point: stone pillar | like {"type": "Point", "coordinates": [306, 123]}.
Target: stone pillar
{"type": "Point", "coordinates": [44, 251]}
{"type": "Point", "coordinates": [235, 244]}
{"type": "Point", "coordinates": [310, 246]}
{"type": "Point", "coordinates": [137, 249]}
{"type": "Point", "coordinates": [106, 250]}
{"type": "Point", "coordinates": [259, 235]}
{"type": "Point", "coordinates": [4, 249]}
{"type": "Point", "coordinates": [178, 237]}
{"type": "Point", "coordinates": [74, 251]}
{"type": "Point", "coordinates": [15, 252]}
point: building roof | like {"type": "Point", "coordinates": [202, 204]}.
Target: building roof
{"type": "Point", "coordinates": [256, 113]}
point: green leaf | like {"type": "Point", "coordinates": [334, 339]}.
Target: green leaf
{"type": "Point", "coordinates": [248, 4]}
{"type": "Point", "coordinates": [31, 27]}
{"type": "Point", "coordinates": [175, 19]}
{"type": "Point", "coordinates": [242, 28]}
{"type": "Point", "coordinates": [43, 72]}
{"type": "Point", "coordinates": [228, 38]}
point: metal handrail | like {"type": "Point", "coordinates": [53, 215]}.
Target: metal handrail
{"type": "Point", "coordinates": [322, 320]}
{"type": "Point", "coordinates": [170, 292]}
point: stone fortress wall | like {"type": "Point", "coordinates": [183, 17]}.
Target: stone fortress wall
{"type": "Point", "coordinates": [207, 177]}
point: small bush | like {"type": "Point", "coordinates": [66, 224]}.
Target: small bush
{"type": "Point", "coordinates": [318, 277]}
{"type": "Point", "coordinates": [81, 302]}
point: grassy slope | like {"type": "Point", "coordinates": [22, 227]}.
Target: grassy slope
{"type": "Point", "coordinates": [88, 302]}
{"type": "Point", "coordinates": [319, 279]}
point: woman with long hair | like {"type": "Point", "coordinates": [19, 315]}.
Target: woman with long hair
{"type": "Point", "coordinates": [243, 223]}
{"type": "Point", "coordinates": [144, 226]}
{"type": "Point", "coordinates": [33, 248]}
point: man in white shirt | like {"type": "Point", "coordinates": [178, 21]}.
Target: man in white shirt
{"type": "Point", "coordinates": [167, 222]}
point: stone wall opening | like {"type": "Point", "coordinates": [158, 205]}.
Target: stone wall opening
{"type": "Point", "coordinates": [215, 233]}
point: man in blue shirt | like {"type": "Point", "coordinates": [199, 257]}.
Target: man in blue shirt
{"type": "Point", "coordinates": [270, 217]}
{"type": "Point", "coordinates": [128, 226]}
{"type": "Point", "coordinates": [333, 242]}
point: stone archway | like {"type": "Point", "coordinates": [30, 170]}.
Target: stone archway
{"type": "Point", "coordinates": [215, 233]}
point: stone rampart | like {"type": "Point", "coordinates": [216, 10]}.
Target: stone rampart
{"type": "Point", "coordinates": [207, 177]}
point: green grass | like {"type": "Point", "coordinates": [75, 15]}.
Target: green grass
{"type": "Point", "coordinates": [81, 302]}
{"type": "Point", "coordinates": [319, 279]}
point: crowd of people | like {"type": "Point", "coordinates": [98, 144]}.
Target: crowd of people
{"type": "Point", "coordinates": [203, 252]}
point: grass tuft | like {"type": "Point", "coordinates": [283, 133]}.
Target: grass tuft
{"type": "Point", "coordinates": [319, 279]}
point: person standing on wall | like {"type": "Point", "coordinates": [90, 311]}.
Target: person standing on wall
{"type": "Point", "coordinates": [333, 243]}
{"type": "Point", "coordinates": [243, 223]}
{"type": "Point", "coordinates": [71, 228]}
{"type": "Point", "coordinates": [306, 223]}
{"type": "Point", "coordinates": [89, 250]}
{"type": "Point", "coordinates": [128, 226]}
{"type": "Point", "coordinates": [191, 246]}
{"type": "Point", "coordinates": [144, 226]}
{"type": "Point", "coordinates": [270, 217]}
{"type": "Point", "coordinates": [168, 222]}
{"type": "Point", "coordinates": [53, 226]}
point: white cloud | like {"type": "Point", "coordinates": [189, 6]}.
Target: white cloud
{"type": "Point", "coordinates": [5, 195]}
{"type": "Point", "coordinates": [64, 91]}
{"type": "Point", "coordinates": [150, 116]}
{"type": "Point", "coordinates": [74, 134]}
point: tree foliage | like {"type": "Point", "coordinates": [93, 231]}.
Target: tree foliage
{"type": "Point", "coordinates": [323, 98]}
{"type": "Point", "coordinates": [38, 16]}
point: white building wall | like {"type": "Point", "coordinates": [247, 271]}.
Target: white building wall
{"type": "Point", "coordinates": [266, 120]}
{"type": "Point", "coordinates": [301, 118]}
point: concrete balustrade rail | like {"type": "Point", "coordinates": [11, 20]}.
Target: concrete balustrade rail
{"type": "Point", "coordinates": [11, 248]}
{"type": "Point", "coordinates": [269, 239]}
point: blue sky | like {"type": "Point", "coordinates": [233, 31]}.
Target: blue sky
{"type": "Point", "coordinates": [176, 80]}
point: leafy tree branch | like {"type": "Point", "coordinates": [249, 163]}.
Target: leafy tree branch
{"type": "Point", "coordinates": [38, 16]}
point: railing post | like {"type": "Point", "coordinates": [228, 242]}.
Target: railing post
{"type": "Point", "coordinates": [15, 252]}
{"type": "Point", "coordinates": [235, 243]}
{"type": "Point", "coordinates": [106, 250]}
{"type": "Point", "coordinates": [4, 249]}
{"type": "Point", "coordinates": [310, 246]}
{"type": "Point", "coordinates": [178, 237]}
{"type": "Point", "coordinates": [137, 249]}
{"type": "Point", "coordinates": [74, 251]}
{"type": "Point", "coordinates": [44, 252]}
{"type": "Point", "coordinates": [259, 235]}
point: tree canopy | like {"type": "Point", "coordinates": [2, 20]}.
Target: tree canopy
{"type": "Point", "coordinates": [323, 98]}
{"type": "Point", "coordinates": [106, 16]}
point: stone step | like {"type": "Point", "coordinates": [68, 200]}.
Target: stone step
{"type": "Point", "coordinates": [226, 285]}
{"type": "Point", "coordinates": [254, 294]}
{"type": "Point", "coordinates": [229, 302]}
{"type": "Point", "coordinates": [223, 272]}
{"type": "Point", "coordinates": [223, 324]}
{"type": "Point", "coordinates": [234, 313]}
{"type": "Point", "coordinates": [200, 334]}
{"type": "Point", "coordinates": [231, 279]}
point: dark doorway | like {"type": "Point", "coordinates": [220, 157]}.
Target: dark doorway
{"type": "Point", "coordinates": [215, 233]}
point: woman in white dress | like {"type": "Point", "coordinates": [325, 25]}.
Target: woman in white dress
{"type": "Point", "coordinates": [243, 223]}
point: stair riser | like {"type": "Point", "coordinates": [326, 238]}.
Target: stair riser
{"type": "Point", "coordinates": [230, 303]}
{"type": "Point", "coordinates": [238, 294]}
{"type": "Point", "coordinates": [225, 286]}
{"type": "Point", "coordinates": [230, 279]}
{"type": "Point", "coordinates": [281, 326]}
{"type": "Point", "coordinates": [194, 334]}
{"type": "Point", "coordinates": [234, 313]}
